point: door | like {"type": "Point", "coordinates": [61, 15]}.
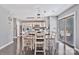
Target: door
{"type": "Point", "coordinates": [66, 34]}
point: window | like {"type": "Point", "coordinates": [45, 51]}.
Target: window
{"type": "Point", "coordinates": [69, 30]}
{"type": "Point", "coordinates": [66, 30]}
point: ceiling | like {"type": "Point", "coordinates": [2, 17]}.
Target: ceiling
{"type": "Point", "coordinates": [31, 10]}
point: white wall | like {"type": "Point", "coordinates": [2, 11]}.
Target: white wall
{"type": "Point", "coordinates": [18, 27]}
{"type": "Point", "coordinates": [5, 27]}
{"type": "Point", "coordinates": [53, 24]}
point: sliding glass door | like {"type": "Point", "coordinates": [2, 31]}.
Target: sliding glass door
{"type": "Point", "coordinates": [69, 22]}
{"type": "Point", "coordinates": [61, 29]}
{"type": "Point", "coordinates": [66, 34]}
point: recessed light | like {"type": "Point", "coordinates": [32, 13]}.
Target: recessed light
{"type": "Point", "coordinates": [44, 11]}
{"type": "Point", "coordinates": [53, 10]}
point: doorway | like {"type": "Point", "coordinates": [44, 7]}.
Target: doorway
{"type": "Point", "coordinates": [66, 35]}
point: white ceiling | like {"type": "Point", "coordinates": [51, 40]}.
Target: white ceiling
{"type": "Point", "coordinates": [30, 10]}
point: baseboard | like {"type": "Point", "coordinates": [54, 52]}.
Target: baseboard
{"type": "Point", "coordinates": [6, 45]}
